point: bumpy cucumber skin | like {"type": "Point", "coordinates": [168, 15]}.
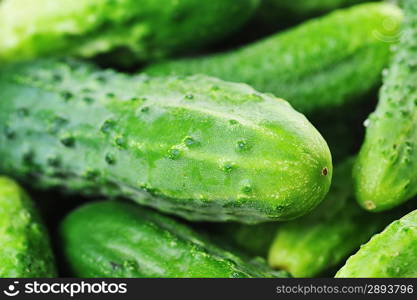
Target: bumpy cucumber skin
{"type": "Point", "coordinates": [386, 171]}
{"type": "Point", "coordinates": [199, 147]}
{"type": "Point", "coordinates": [311, 245]}
{"type": "Point", "coordinates": [321, 64]}
{"type": "Point", "coordinates": [25, 250]}
{"type": "Point", "coordinates": [117, 239]}
{"type": "Point", "coordinates": [141, 30]}
{"type": "Point", "coordinates": [389, 254]}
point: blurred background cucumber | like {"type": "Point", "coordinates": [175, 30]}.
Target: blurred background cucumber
{"type": "Point", "coordinates": [320, 65]}
{"type": "Point", "coordinates": [389, 151]}
{"type": "Point", "coordinates": [115, 239]}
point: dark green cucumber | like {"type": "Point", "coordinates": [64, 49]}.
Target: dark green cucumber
{"type": "Point", "coordinates": [133, 30]}
{"type": "Point", "coordinates": [116, 239]}
{"type": "Point", "coordinates": [24, 243]}
{"type": "Point", "coordinates": [392, 253]}
{"type": "Point", "coordinates": [321, 64]}
{"type": "Point", "coordinates": [312, 245]}
{"type": "Point", "coordinates": [386, 171]}
{"type": "Point", "coordinates": [197, 147]}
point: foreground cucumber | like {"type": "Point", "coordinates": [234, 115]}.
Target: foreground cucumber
{"type": "Point", "coordinates": [115, 239]}
{"type": "Point", "coordinates": [132, 30]}
{"type": "Point", "coordinates": [198, 147]}
{"type": "Point", "coordinates": [25, 250]}
{"type": "Point", "coordinates": [319, 65]}
{"type": "Point", "coordinates": [386, 171]}
{"type": "Point", "coordinates": [392, 253]}
{"type": "Point", "coordinates": [312, 245]}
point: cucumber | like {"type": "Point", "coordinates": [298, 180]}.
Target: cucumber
{"type": "Point", "coordinates": [197, 147]}
{"type": "Point", "coordinates": [321, 64]}
{"type": "Point", "coordinates": [25, 249]}
{"type": "Point", "coordinates": [314, 244]}
{"type": "Point", "coordinates": [117, 239]}
{"type": "Point", "coordinates": [392, 253]}
{"type": "Point", "coordinates": [386, 171]}
{"type": "Point", "coordinates": [130, 30]}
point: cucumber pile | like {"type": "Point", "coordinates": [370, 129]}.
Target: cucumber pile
{"type": "Point", "coordinates": [153, 143]}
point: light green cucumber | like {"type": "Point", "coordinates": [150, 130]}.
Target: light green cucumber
{"type": "Point", "coordinates": [312, 245]}
{"type": "Point", "coordinates": [386, 171]}
{"type": "Point", "coordinates": [391, 253]}
{"type": "Point", "coordinates": [25, 249]}
{"type": "Point", "coordinates": [130, 30]}
{"type": "Point", "coordinates": [319, 65]}
{"type": "Point", "coordinates": [197, 147]}
{"type": "Point", "coordinates": [116, 239]}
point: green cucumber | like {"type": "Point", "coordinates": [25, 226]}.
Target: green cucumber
{"type": "Point", "coordinates": [313, 244]}
{"type": "Point", "coordinates": [116, 239]}
{"type": "Point", "coordinates": [276, 15]}
{"type": "Point", "coordinates": [386, 171]}
{"type": "Point", "coordinates": [197, 147]}
{"type": "Point", "coordinates": [321, 64]}
{"type": "Point", "coordinates": [25, 249]}
{"type": "Point", "coordinates": [391, 253]}
{"type": "Point", "coordinates": [129, 29]}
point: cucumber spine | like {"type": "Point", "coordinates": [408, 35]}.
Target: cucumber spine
{"type": "Point", "coordinates": [126, 31]}
{"type": "Point", "coordinates": [385, 174]}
